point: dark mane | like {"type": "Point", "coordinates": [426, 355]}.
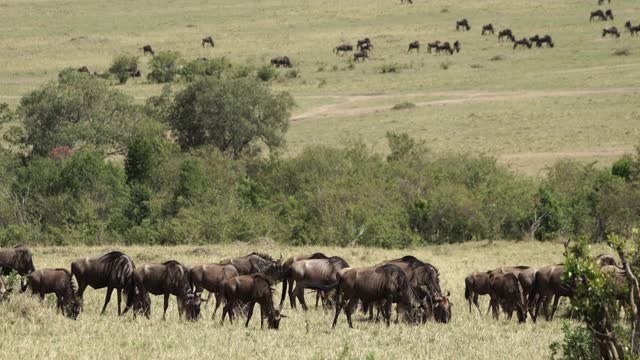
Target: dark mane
{"type": "Point", "coordinates": [171, 263]}
{"type": "Point", "coordinates": [70, 285]}
{"type": "Point", "coordinates": [262, 255]}
{"type": "Point", "coordinates": [112, 256]}
{"type": "Point", "coordinates": [412, 261]}
{"type": "Point", "coordinates": [337, 261]}
{"type": "Point", "coordinates": [318, 255]}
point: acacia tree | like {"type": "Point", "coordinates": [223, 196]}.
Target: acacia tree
{"type": "Point", "coordinates": [232, 114]}
{"type": "Point", "coordinates": [76, 110]}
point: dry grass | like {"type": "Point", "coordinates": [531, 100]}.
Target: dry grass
{"type": "Point", "coordinates": [33, 330]}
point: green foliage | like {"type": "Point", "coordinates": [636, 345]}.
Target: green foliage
{"type": "Point", "coordinates": [123, 66]}
{"type": "Point", "coordinates": [6, 114]}
{"type": "Point", "coordinates": [232, 114]}
{"type": "Point", "coordinates": [165, 66]}
{"type": "Point", "coordinates": [217, 68]}
{"type": "Point", "coordinates": [266, 73]}
{"type": "Point", "coordinates": [76, 110]}
{"type": "Point", "coordinates": [623, 167]}
{"type": "Point", "coordinates": [577, 344]}
{"type": "Point", "coordinates": [390, 68]}
{"type": "Point", "coordinates": [402, 146]}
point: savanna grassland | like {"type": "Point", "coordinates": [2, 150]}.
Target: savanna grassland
{"type": "Point", "coordinates": [529, 108]}
{"type": "Point", "coordinates": [34, 331]}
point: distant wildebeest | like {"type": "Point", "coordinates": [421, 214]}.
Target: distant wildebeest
{"type": "Point", "coordinates": [506, 33]}
{"type": "Point", "coordinates": [476, 284]}
{"type": "Point", "coordinates": [526, 276]}
{"type": "Point", "coordinates": [361, 55]}
{"type": "Point", "coordinates": [548, 284]}
{"type": "Point", "coordinates": [408, 1]}
{"type": "Point", "coordinates": [539, 40]}
{"type": "Point", "coordinates": [414, 46]}
{"type": "Point", "coordinates": [505, 291]}
{"type": "Point", "coordinates": [432, 45]}
{"type": "Point", "coordinates": [147, 50]}
{"type": "Point", "coordinates": [634, 30]}
{"type": "Point", "coordinates": [522, 42]}
{"type": "Point", "coordinates": [342, 49]}
{"type": "Point", "coordinates": [251, 289]}
{"type": "Point", "coordinates": [59, 282]}
{"type": "Point", "coordinates": [387, 284]}
{"type": "Point", "coordinates": [600, 2]}
{"type": "Point", "coordinates": [601, 15]}
{"type": "Point", "coordinates": [613, 31]}
{"type": "Point", "coordinates": [135, 73]}
{"type": "Point", "coordinates": [447, 48]}
{"type": "Point", "coordinates": [487, 29]}
{"type": "Point", "coordinates": [605, 259]}
{"type": "Point", "coordinates": [364, 44]}
{"type": "Point", "coordinates": [168, 278]}
{"type": "Point", "coordinates": [252, 263]}
{"type": "Point", "coordinates": [210, 277]}
{"type": "Point", "coordinates": [464, 24]}
{"type": "Point", "coordinates": [18, 258]}
{"type": "Point", "coordinates": [288, 280]}
{"type": "Point", "coordinates": [113, 270]}
{"type": "Point", "coordinates": [207, 41]}
{"type": "Point", "coordinates": [609, 14]}
{"type": "Point", "coordinates": [316, 271]}
{"type": "Point", "coordinates": [84, 69]}
{"type": "Point", "coordinates": [281, 61]}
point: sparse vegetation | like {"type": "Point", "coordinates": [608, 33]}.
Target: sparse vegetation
{"type": "Point", "coordinates": [390, 68]}
{"type": "Point", "coordinates": [403, 105]}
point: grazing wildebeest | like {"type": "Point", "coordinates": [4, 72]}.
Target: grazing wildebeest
{"type": "Point", "coordinates": [464, 24]}
{"type": "Point", "coordinates": [456, 47]}
{"type": "Point", "coordinates": [207, 40]}
{"type": "Point", "coordinates": [601, 15]}
{"type": "Point", "coordinates": [487, 29]}
{"type": "Point", "coordinates": [252, 263]}
{"type": "Point", "coordinates": [281, 61]}
{"type": "Point", "coordinates": [505, 290]}
{"type": "Point", "coordinates": [526, 276]}
{"type": "Point", "coordinates": [18, 258]}
{"type": "Point", "coordinates": [408, 1]}
{"type": "Point", "coordinates": [288, 280]}
{"type": "Point", "coordinates": [613, 31]}
{"type": "Point", "coordinates": [58, 281]}
{"type": "Point", "coordinates": [600, 2]}
{"type": "Point", "coordinates": [252, 289]}
{"type": "Point", "coordinates": [364, 44]}
{"type": "Point", "coordinates": [522, 42]}
{"type": "Point", "coordinates": [135, 73]}
{"type": "Point", "coordinates": [316, 271]}
{"type": "Point", "coordinates": [634, 30]}
{"type": "Point", "coordinates": [605, 259]}
{"type": "Point", "coordinates": [414, 45]}
{"type": "Point", "coordinates": [447, 48]}
{"type": "Point", "coordinates": [609, 14]}
{"type": "Point", "coordinates": [424, 278]}
{"type": "Point", "coordinates": [539, 40]}
{"type": "Point", "coordinates": [361, 55]}
{"type": "Point", "coordinates": [548, 284]}
{"type": "Point", "coordinates": [147, 50]}
{"type": "Point", "coordinates": [342, 48]}
{"type": "Point", "coordinates": [168, 278]}
{"type": "Point", "coordinates": [506, 33]}
{"type": "Point", "coordinates": [84, 69]}
{"type": "Point", "coordinates": [210, 277]}
{"type": "Point", "coordinates": [432, 45]}
{"type": "Point", "coordinates": [387, 284]}
{"type": "Point", "coordinates": [442, 310]}
{"type": "Point", "coordinates": [475, 284]}
{"type": "Point", "coordinates": [113, 270]}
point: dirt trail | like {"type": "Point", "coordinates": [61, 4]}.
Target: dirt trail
{"type": "Point", "coordinates": [354, 105]}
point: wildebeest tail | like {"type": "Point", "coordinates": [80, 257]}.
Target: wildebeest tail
{"type": "Point", "coordinates": [467, 289]}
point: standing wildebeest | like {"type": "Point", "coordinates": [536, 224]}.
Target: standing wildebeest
{"type": "Point", "coordinates": [281, 61]}
{"type": "Point", "coordinates": [602, 15]}
{"type": "Point", "coordinates": [211, 277]}
{"type": "Point", "coordinates": [316, 271]}
{"type": "Point", "coordinates": [487, 29]}
{"type": "Point", "coordinates": [84, 69]}
{"type": "Point", "coordinates": [632, 29]}
{"type": "Point", "coordinates": [414, 45]}
{"type": "Point", "coordinates": [526, 277]}
{"type": "Point", "coordinates": [433, 45]}
{"type": "Point", "coordinates": [506, 33]}
{"type": "Point", "coordinates": [288, 280]}
{"type": "Point", "coordinates": [447, 48]}
{"type": "Point", "coordinates": [342, 49]}
{"type": "Point", "coordinates": [58, 281]}
{"type": "Point", "coordinates": [251, 289]}
{"type": "Point", "coordinates": [539, 40]}
{"type": "Point", "coordinates": [464, 24]}
{"type": "Point", "coordinates": [613, 31]}
{"type": "Point", "coordinates": [364, 44]}
{"type": "Point", "coordinates": [147, 50]}
{"type": "Point", "coordinates": [361, 55]}
{"type": "Point", "coordinates": [18, 258]}
{"type": "Point", "coordinates": [522, 42]}
{"type": "Point", "coordinates": [600, 2]}
{"type": "Point", "coordinates": [252, 263]}
{"type": "Point", "coordinates": [408, 1]}
{"type": "Point", "coordinates": [207, 40]}
{"type": "Point", "coordinates": [113, 270]}
{"type": "Point", "coordinates": [609, 14]}
{"type": "Point", "coordinates": [604, 260]}
{"type": "Point", "coordinates": [505, 290]}
{"type": "Point", "coordinates": [168, 278]}
{"type": "Point", "coordinates": [387, 284]}
{"type": "Point", "coordinates": [548, 284]}
{"type": "Point", "coordinates": [475, 284]}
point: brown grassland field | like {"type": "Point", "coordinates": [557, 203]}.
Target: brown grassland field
{"type": "Point", "coordinates": [529, 108]}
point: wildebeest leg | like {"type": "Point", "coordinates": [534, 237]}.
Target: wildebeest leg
{"type": "Point", "coordinates": [166, 306]}
{"type": "Point", "coordinates": [545, 307]}
{"type": "Point", "coordinates": [292, 296]}
{"type": "Point", "coordinates": [475, 301]}
{"type": "Point", "coordinates": [81, 288]}
{"type": "Point", "coordinates": [119, 294]}
{"type": "Point", "coordinates": [386, 311]}
{"type": "Point", "coordinates": [317, 297]}
{"type": "Point", "coordinates": [283, 296]}
{"type": "Point", "coordinates": [225, 309]}
{"type": "Point", "coordinates": [299, 291]}
{"type": "Point", "coordinates": [218, 301]}
{"type": "Point", "coordinates": [107, 299]}
{"type": "Point", "coordinates": [250, 307]}
{"type": "Point", "coordinates": [556, 299]}
{"type": "Point", "coordinates": [349, 310]}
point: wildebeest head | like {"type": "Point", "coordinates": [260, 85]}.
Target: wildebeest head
{"type": "Point", "coordinates": [72, 309]}
{"type": "Point", "coordinates": [273, 319]}
{"type": "Point", "coordinates": [191, 304]}
{"type": "Point", "coordinates": [442, 309]}
{"type": "Point", "coordinates": [19, 258]}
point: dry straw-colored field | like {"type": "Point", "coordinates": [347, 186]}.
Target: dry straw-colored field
{"type": "Point", "coordinates": [32, 330]}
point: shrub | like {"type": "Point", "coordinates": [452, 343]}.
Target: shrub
{"type": "Point", "coordinates": [403, 106]}
{"type": "Point", "coordinates": [123, 67]}
{"type": "Point", "coordinates": [266, 73]}
{"type": "Point", "coordinates": [390, 68]}
{"type": "Point", "coordinates": [164, 66]}
{"type": "Point", "coordinates": [218, 68]}
{"type": "Point", "coordinates": [622, 52]}
{"type": "Point", "coordinates": [623, 167]}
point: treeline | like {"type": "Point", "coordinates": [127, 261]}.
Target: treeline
{"type": "Point", "coordinates": [83, 164]}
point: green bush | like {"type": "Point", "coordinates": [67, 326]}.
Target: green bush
{"type": "Point", "coordinates": [165, 66]}
{"type": "Point", "coordinates": [266, 73]}
{"type": "Point", "coordinates": [218, 68]}
{"type": "Point", "coordinates": [123, 67]}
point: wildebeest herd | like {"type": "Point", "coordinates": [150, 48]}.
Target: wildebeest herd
{"type": "Point", "coordinates": [239, 283]}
